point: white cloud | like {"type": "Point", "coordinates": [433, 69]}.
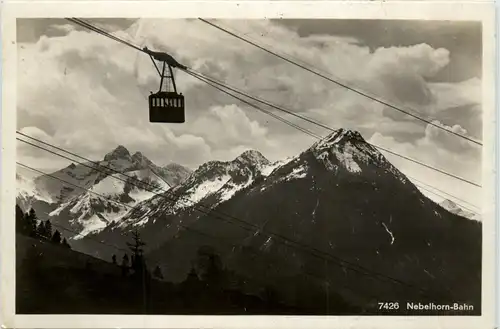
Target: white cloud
{"type": "Point", "coordinates": [449, 95]}
{"type": "Point", "coordinates": [438, 137]}
{"type": "Point", "coordinates": [63, 28]}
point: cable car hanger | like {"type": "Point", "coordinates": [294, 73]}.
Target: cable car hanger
{"type": "Point", "coordinates": [164, 57]}
{"type": "Point", "coordinates": [166, 106]}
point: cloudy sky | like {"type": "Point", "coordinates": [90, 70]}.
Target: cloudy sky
{"type": "Point", "coordinates": [87, 93]}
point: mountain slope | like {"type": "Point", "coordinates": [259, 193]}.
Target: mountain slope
{"type": "Point", "coordinates": [108, 200]}
{"type": "Point", "coordinates": [120, 178]}
{"type": "Point", "coordinates": [342, 197]}
{"type": "Point", "coordinates": [160, 217]}
{"type": "Point", "coordinates": [88, 174]}
{"type": "Point", "coordinates": [28, 194]}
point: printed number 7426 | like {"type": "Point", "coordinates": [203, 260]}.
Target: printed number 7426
{"type": "Point", "coordinates": [388, 306]}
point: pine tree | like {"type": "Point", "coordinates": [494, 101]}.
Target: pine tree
{"type": "Point", "coordinates": [65, 243]}
{"type": "Point", "coordinates": [137, 253]}
{"type": "Point", "coordinates": [213, 275]}
{"type": "Point", "coordinates": [210, 267]}
{"type": "Point", "coordinates": [192, 275]}
{"type": "Point", "coordinates": [132, 261]}
{"type": "Point", "coordinates": [56, 238]}
{"type": "Point", "coordinates": [25, 222]}
{"type": "Point", "coordinates": [157, 272]}
{"type": "Point", "coordinates": [30, 220]}
{"type": "Point", "coordinates": [270, 294]}
{"type": "Point", "coordinates": [48, 229]}
{"type": "Point", "coordinates": [40, 230]}
{"type": "Point", "coordinates": [20, 222]}
{"type": "Point", "coordinates": [43, 229]}
{"type": "Point", "coordinates": [114, 259]}
{"type": "Point", "coordinates": [192, 285]}
{"type": "Point", "coordinates": [125, 263]}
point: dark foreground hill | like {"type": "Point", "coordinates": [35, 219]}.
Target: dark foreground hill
{"type": "Point", "coordinates": [55, 280]}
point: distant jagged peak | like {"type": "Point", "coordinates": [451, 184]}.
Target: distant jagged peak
{"type": "Point", "coordinates": [448, 204]}
{"type": "Point", "coordinates": [138, 155]}
{"type": "Point", "coordinates": [176, 167]}
{"type": "Point", "coordinates": [247, 158]}
{"type": "Point", "coordinates": [457, 210]}
{"type": "Point", "coordinates": [252, 157]}
{"type": "Point", "coordinates": [120, 152]}
{"type": "Point", "coordinates": [211, 164]}
{"type": "Point", "coordinates": [141, 159]}
{"type": "Point", "coordinates": [339, 136]}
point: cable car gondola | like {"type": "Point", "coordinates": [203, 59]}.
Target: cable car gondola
{"type": "Point", "coordinates": [166, 106]}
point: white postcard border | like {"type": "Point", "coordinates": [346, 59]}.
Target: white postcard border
{"type": "Point", "coordinates": [249, 9]}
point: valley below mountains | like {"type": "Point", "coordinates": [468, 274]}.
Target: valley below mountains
{"type": "Point", "coordinates": [336, 222]}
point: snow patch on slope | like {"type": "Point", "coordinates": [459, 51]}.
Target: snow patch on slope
{"type": "Point", "coordinates": [206, 188]}
{"type": "Point", "coordinates": [82, 205]}
{"type": "Point", "coordinates": [268, 170]}
{"type": "Point", "coordinates": [347, 160]}
{"type": "Point", "coordinates": [140, 195]}
{"type": "Point", "coordinates": [109, 186]}
{"type": "Point", "coordinates": [324, 158]}
{"type": "Point", "coordinates": [297, 173]}
{"type": "Point", "coordinates": [92, 225]}
{"type": "Point", "coordinates": [26, 188]}
{"type": "Point", "coordinates": [457, 210]}
{"type": "Point", "coordinates": [230, 189]}
{"type": "Point", "coordinates": [58, 210]}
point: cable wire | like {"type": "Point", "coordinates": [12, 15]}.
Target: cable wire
{"type": "Point", "coordinates": [436, 194]}
{"type": "Point", "coordinates": [304, 130]}
{"type": "Point", "coordinates": [431, 189]}
{"type": "Point", "coordinates": [101, 31]}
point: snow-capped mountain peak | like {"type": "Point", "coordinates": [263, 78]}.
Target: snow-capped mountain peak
{"type": "Point", "coordinates": [141, 160]}
{"type": "Point", "coordinates": [101, 186]}
{"type": "Point", "coordinates": [28, 193]}
{"type": "Point", "coordinates": [212, 183]}
{"type": "Point", "coordinates": [457, 210]}
{"type": "Point", "coordinates": [448, 204]}
{"type": "Point", "coordinates": [339, 137]}
{"type": "Point", "coordinates": [118, 153]}
{"type": "Point", "coordinates": [253, 157]}
{"type": "Point", "coordinates": [347, 149]}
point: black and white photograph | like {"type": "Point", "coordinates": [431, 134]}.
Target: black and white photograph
{"type": "Point", "coordinates": [271, 166]}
